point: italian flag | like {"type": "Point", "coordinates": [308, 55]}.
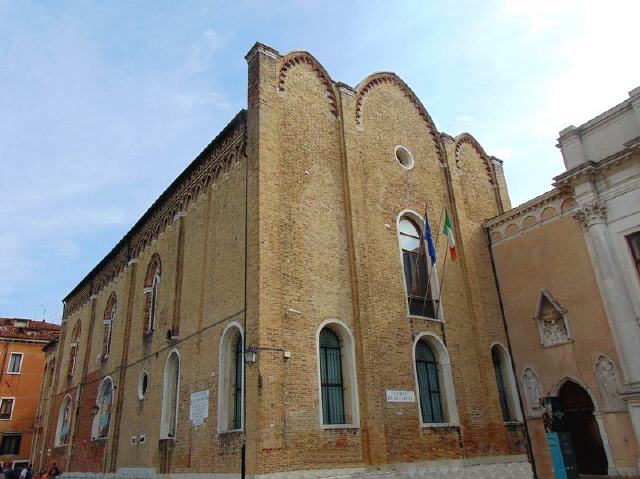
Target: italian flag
{"type": "Point", "coordinates": [448, 232]}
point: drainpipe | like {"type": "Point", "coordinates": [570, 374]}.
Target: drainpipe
{"type": "Point", "coordinates": [513, 364]}
{"type": "Point", "coordinates": [243, 450]}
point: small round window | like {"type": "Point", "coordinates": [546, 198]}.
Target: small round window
{"type": "Point", "coordinates": [143, 382]}
{"type": "Point", "coordinates": [404, 157]}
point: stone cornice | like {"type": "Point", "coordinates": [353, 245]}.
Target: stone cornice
{"type": "Point", "coordinates": [294, 59]}
{"type": "Point", "coordinates": [377, 79]}
{"type": "Point", "coordinates": [593, 168]}
{"type": "Point", "coordinates": [518, 211]}
{"type": "Point", "coordinates": [216, 159]}
{"type": "Point", "coordinates": [468, 139]}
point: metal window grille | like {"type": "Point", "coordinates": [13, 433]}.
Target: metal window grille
{"type": "Point", "coordinates": [428, 384]}
{"type": "Point", "coordinates": [237, 389]}
{"type": "Point", "coordinates": [331, 378]}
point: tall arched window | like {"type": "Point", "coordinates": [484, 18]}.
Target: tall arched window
{"type": "Point", "coordinates": [417, 269]}
{"type": "Point", "coordinates": [428, 384]}
{"type": "Point", "coordinates": [331, 378]}
{"type": "Point", "coordinates": [151, 285]}
{"type": "Point", "coordinates": [231, 393]}
{"type": "Point", "coordinates": [73, 350]}
{"type": "Point", "coordinates": [109, 318]}
{"type": "Point", "coordinates": [436, 393]}
{"type": "Point", "coordinates": [102, 420]}
{"type": "Point", "coordinates": [64, 420]}
{"type": "Point", "coordinates": [506, 384]}
{"type": "Point", "coordinates": [169, 417]}
{"type": "Point", "coordinates": [337, 375]}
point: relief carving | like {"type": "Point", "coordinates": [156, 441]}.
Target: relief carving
{"type": "Point", "coordinates": [552, 320]}
{"type": "Point", "coordinates": [591, 214]}
{"type": "Point", "coordinates": [532, 391]}
{"type": "Point", "coordinates": [609, 383]}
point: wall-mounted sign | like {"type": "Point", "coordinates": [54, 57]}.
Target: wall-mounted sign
{"type": "Point", "coordinates": [199, 407]}
{"type": "Point", "coordinates": [400, 396]}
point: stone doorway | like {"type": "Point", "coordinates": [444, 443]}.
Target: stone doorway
{"type": "Point", "coordinates": [580, 423]}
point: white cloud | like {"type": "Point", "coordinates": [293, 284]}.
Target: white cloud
{"type": "Point", "coordinates": [503, 153]}
{"type": "Point", "coordinates": [592, 58]}
{"type": "Point", "coordinates": [202, 50]}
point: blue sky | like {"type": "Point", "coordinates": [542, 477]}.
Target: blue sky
{"type": "Point", "coordinates": [104, 103]}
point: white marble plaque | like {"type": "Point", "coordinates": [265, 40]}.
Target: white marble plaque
{"type": "Point", "coordinates": [199, 407]}
{"type": "Point", "coordinates": [400, 396]}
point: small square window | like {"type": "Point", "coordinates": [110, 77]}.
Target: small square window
{"type": "Point", "coordinates": [15, 363]}
{"type": "Point", "coordinates": [10, 443]}
{"type": "Point", "coordinates": [6, 407]}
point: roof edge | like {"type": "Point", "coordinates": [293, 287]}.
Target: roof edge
{"type": "Point", "coordinates": [237, 120]}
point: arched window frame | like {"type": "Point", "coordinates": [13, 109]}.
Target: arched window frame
{"type": "Point", "coordinates": [445, 379]}
{"type": "Point", "coordinates": [432, 270]}
{"type": "Point", "coordinates": [104, 411]}
{"type": "Point", "coordinates": [349, 375]}
{"type": "Point", "coordinates": [108, 321]}
{"type": "Point", "coordinates": [64, 422]}
{"type": "Point", "coordinates": [73, 350]}
{"type": "Point", "coordinates": [151, 289]}
{"type": "Point", "coordinates": [510, 384]}
{"type": "Point", "coordinates": [168, 424]}
{"type": "Point", "coordinates": [231, 368]}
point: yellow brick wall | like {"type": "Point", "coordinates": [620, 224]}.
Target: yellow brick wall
{"type": "Point", "coordinates": [325, 192]}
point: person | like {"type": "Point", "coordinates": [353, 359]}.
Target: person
{"type": "Point", "coordinates": [26, 472]}
{"type": "Point", "coordinates": [54, 472]}
{"type": "Point", "coordinates": [8, 472]}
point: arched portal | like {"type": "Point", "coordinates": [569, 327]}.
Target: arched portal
{"type": "Point", "coordinates": [580, 423]}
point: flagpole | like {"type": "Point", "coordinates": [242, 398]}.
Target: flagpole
{"type": "Point", "coordinates": [439, 224]}
{"type": "Point", "coordinates": [432, 266]}
{"type": "Point", "coordinates": [444, 264]}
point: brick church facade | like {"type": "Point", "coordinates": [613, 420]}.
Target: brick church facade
{"type": "Point", "coordinates": [271, 311]}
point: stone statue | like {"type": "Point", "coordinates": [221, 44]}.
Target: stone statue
{"type": "Point", "coordinates": [609, 384]}
{"type": "Point", "coordinates": [532, 391]}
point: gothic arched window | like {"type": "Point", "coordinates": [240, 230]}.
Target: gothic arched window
{"type": "Point", "coordinates": [506, 384]}
{"type": "Point", "coordinates": [337, 375]}
{"type": "Point", "coordinates": [169, 417]}
{"type": "Point", "coordinates": [331, 378]}
{"type": "Point", "coordinates": [428, 384]}
{"type": "Point", "coordinates": [151, 285]}
{"type": "Point", "coordinates": [104, 400]}
{"type": "Point", "coordinates": [64, 421]}
{"type": "Point", "coordinates": [73, 350]}
{"type": "Point", "coordinates": [434, 378]}
{"type": "Point", "coordinates": [109, 318]}
{"type": "Point", "coordinates": [416, 269]}
{"type": "Point", "coordinates": [231, 396]}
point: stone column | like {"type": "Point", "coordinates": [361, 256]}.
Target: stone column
{"type": "Point", "coordinates": [617, 303]}
{"type": "Point", "coordinates": [612, 471]}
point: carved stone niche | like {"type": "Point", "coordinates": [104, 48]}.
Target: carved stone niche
{"type": "Point", "coordinates": [552, 320]}
{"type": "Point", "coordinates": [609, 383]}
